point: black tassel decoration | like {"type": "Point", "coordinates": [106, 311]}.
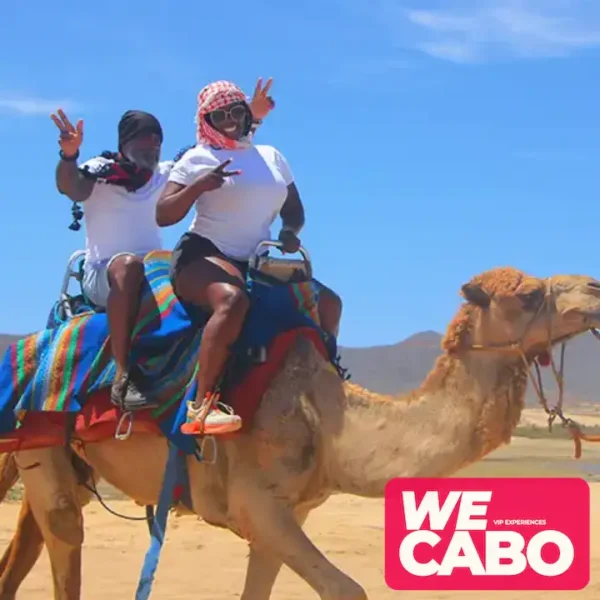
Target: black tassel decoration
{"type": "Point", "coordinates": [77, 216]}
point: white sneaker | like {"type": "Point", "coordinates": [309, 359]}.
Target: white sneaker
{"type": "Point", "coordinates": [216, 421]}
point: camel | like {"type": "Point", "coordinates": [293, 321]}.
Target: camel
{"type": "Point", "coordinates": [315, 435]}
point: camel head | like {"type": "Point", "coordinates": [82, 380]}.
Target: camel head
{"type": "Point", "coordinates": [506, 307]}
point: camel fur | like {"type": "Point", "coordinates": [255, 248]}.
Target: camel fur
{"type": "Point", "coordinates": [314, 436]}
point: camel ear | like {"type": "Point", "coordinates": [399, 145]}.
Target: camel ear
{"type": "Point", "coordinates": [475, 295]}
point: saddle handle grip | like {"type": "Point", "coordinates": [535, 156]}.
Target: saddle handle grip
{"type": "Point", "coordinates": [266, 244]}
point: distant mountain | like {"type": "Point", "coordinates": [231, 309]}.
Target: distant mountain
{"type": "Point", "coordinates": [403, 366]}
{"type": "Point", "coordinates": [395, 368]}
{"type": "Point", "coordinates": [5, 341]}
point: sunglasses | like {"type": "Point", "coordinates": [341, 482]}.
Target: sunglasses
{"type": "Point", "coordinates": [236, 113]}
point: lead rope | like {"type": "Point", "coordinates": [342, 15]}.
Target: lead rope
{"type": "Point", "coordinates": [573, 428]}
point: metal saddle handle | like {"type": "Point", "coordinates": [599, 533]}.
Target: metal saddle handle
{"type": "Point", "coordinates": [260, 258]}
{"type": "Point", "coordinates": [72, 272]}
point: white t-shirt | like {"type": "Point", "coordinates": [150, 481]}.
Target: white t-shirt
{"type": "Point", "coordinates": [237, 216]}
{"type": "Point", "coordinates": [120, 221]}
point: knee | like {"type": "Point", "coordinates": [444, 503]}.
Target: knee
{"type": "Point", "coordinates": [233, 305]}
{"type": "Point", "coordinates": [126, 270]}
{"type": "Point", "coordinates": [330, 301]}
{"type": "Point", "coordinates": [65, 521]}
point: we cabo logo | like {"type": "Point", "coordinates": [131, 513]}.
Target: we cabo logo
{"type": "Point", "coordinates": [487, 534]}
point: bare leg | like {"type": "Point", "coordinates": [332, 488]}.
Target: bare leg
{"type": "Point", "coordinates": [330, 310]}
{"type": "Point", "coordinates": [125, 275]}
{"type": "Point", "coordinates": [215, 285]}
{"type": "Point", "coordinates": [51, 488]}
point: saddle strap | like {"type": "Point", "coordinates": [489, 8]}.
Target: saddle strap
{"type": "Point", "coordinates": [171, 480]}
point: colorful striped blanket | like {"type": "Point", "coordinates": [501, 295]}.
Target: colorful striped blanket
{"type": "Point", "coordinates": [56, 369]}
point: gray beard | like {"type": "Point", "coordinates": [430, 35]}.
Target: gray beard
{"type": "Point", "coordinates": [142, 161]}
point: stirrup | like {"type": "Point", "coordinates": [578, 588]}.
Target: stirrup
{"type": "Point", "coordinates": [124, 436]}
{"type": "Point", "coordinates": [210, 401]}
{"type": "Point", "coordinates": [213, 442]}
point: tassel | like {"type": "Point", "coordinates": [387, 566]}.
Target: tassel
{"type": "Point", "coordinates": [77, 213]}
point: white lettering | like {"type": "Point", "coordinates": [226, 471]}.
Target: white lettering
{"type": "Point", "coordinates": [407, 553]}
{"type": "Point", "coordinates": [467, 510]}
{"type": "Point", "coordinates": [461, 541]}
{"type": "Point", "coordinates": [565, 557]}
{"type": "Point", "coordinates": [430, 505]}
{"type": "Point", "coordinates": [514, 552]}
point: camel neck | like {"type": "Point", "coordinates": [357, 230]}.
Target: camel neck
{"type": "Point", "coordinates": [465, 408]}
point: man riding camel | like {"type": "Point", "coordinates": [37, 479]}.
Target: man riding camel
{"type": "Point", "coordinates": [120, 191]}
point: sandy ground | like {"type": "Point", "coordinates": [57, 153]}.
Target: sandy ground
{"type": "Point", "coordinates": [199, 561]}
{"type": "Point", "coordinates": [584, 415]}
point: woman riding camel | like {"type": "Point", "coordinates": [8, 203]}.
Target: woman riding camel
{"type": "Point", "coordinates": [234, 210]}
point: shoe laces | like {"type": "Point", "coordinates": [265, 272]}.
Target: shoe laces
{"type": "Point", "coordinates": [224, 407]}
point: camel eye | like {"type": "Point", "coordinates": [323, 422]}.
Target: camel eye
{"type": "Point", "coordinates": [531, 300]}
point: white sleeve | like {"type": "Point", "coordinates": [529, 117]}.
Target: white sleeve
{"type": "Point", "coordinates": [191, 166]}
{"type": "Point", "coordinates": [284, 168]}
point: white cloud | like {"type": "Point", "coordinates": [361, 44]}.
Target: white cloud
{"type": "Point", "coordinates": [477, 30]}
{"type": "Point", "coordinates": [32, 106]}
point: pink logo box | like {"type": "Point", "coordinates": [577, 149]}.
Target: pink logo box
{"type": "Point", "coordinates": [487, 534]}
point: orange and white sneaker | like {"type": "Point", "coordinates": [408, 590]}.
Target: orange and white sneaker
{"type": "Point", "coordinates": [215, 422]}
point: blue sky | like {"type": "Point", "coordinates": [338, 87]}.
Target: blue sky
{"type": "Point", "coordinates": [429, 140]}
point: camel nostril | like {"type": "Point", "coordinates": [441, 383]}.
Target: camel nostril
{"type": "Point", "coordinates": [594, 284]}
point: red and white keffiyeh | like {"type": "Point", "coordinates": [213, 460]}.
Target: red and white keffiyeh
{"type": "Point", "coordinates": [217, 95]}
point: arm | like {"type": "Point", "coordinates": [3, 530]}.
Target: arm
{"type": "Point", "coordinates": [176, 201]}
{"type": "Point", "coordinates": [71, 182]}
{"type": "Point", "coordinates": [69, 179]}
{"type": "Point", "coordinates": [292, 211]}
{"type": "Point", "coordinates": [179, 196]}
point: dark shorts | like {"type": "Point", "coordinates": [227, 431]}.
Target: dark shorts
{"type": "Point", "coordinates": [192, 247]}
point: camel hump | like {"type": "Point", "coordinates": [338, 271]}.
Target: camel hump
{"type": "Point", "coordinates": [303, 360]}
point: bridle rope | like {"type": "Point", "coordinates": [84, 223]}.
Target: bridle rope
{"type": "Point", "coordinates": [573, 428]}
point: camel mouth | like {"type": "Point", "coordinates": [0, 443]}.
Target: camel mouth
{"type": "Point", "coordinates": [591, 320]}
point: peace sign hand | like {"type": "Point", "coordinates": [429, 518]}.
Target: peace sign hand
{"type": "Point", "coordinates": [71, 138]}
{"type": "Point", "coordinates": [216, 178]}
{"type": "Point", "coordinates": [262, 104]}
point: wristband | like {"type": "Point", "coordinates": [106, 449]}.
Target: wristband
{"type": "Point", "coordinates": [294, 230]}
{"type": "Point", "coordinates": [66, 158]}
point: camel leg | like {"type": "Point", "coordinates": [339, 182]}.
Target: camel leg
{"type": "Point", "coordinates": [51, 488]}
{"type": "Point", "coordinates": [22, 553]}
{"type": "Point", "coordinates": [269, 523]}
{"type": "Point", "coordinates": [9, 474]}
{"type": "Point", "coordinates": [263, 569]}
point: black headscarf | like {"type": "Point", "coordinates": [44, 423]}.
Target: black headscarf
{"type": "Point", "coordinates": [120, 171]}
{"type": "Point", "coordinates": [134, 122]}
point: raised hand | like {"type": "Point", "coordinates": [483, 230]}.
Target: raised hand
{"type": "Point", "coordinates": [216, 178]}
{"type": "Point", "coordinates": [262, 104]}
{"type": "Point", "coordinates": [70, 138]}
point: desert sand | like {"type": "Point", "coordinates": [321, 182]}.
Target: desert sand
{"type": "Point", "coordinates": [199, 561]}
